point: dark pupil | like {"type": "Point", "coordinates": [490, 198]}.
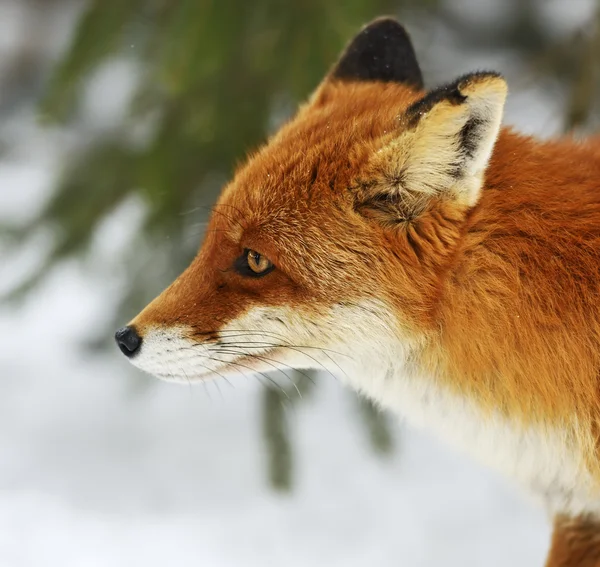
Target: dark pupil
{"type": "Point", "coordinates": [249, 264]}
{"type": "Point", "coordinates": [255, 258]}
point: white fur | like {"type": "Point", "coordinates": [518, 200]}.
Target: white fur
{"type": "Point", "coordinates": [168, 354]}
{"type": "Point", "coordinates": [546, 462]}
{"type": "Point", "coordinates": [486, 104]}
{"type": "Point", "coordinates": [172, 355]}
{"type": "Point", "coordinates": [365, 346]}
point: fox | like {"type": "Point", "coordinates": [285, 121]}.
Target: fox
{"type": "Point", "coordinates": [439, 263]}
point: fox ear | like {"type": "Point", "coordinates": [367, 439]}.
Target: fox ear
{"type": "Point", "coordinates": [443, 149]}
{"type": "Point", "coordinates": [382, 51]}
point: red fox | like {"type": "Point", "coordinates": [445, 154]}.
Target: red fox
{"type": "Point", "coordinates": [444, 266]}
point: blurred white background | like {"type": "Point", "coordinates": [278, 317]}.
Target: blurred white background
{"type": "Point", "coordinates": [96, 472]}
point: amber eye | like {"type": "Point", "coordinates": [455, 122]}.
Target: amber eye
{"type": "Point", "coordinates": [253, 264]}
{"type": "Point", "coordinates": [257, 262]}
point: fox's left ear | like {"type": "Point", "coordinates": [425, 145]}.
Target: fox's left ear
{"type": "Point", "coordinates": [440, 150]}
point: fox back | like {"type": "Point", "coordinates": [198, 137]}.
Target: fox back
{"type": "Point", "coordinates": [440, 264]}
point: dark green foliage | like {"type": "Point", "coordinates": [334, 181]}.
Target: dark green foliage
{"type": "Point", "coordinates": [99, 34]}
{"type": "Point", "coordinates": [215, 78]}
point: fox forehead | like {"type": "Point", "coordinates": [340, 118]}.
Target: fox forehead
{"type": "Point", "coordinates": [315, 157]}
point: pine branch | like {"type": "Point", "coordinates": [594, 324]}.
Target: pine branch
{"type": "Point", "coordinates": [98, 35]}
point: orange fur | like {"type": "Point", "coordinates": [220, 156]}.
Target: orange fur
{"type": "Point", "coordinates": [526, 282]}
{"type": "Point", "coordinates": [575, 542]}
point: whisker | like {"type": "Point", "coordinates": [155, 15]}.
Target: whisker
{"type": "Point", "coordinates": [298, 349]}
{"type": "Point", "coordinates": [206, 390]}
{"type": "Point", "coordinates": [188, 381]}
{"type": "Point", "coordinates": [334, 362]}
{"type": "Point", "coordinates": [267, 360]}
{"type": "Point", "coordinates": [232, 219]}
{"type": "Point", "coordinates": [191, 211]}
{"type": "Point", "coordinates": [210, 370]}
{"type": "Point", "coordinates": [215, 230]}
{"type": "Point", "coordinates": [229, 218]}
{"type": "Point", "coordinates": [299, 371]}
{"type": "Point", "coordinates": [216, 383]}
{"type": "Point", "coordinates": [169, 372]}
{"type": "Point", "coordinates": [244, 374]}
{"type": "Point", "coordinates": [296, 346]}
{"type": "Point", "coordinates": [255, 371]}
{"type": "Point", "coordinates": [230, 206]}
{"type": "Point", "coordinates": [244, 332]}
{"type": "Point", "coordinates": [222, 376]}
{"type": "Point", "coordinates": [249, 345]}
{"type": "Point", "coordinates": [241, 331]}
{"type": "Point", "coordinates": [210, 208]}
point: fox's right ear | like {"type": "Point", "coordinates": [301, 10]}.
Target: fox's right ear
{"type": "Point", "coordinates": [382, 51]}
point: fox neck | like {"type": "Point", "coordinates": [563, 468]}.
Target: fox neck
{"type": "Point", "coordinates": [508, 374]}
{"type": "Point", "coordinates": [509, 340]}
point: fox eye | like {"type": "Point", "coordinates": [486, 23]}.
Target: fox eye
{"type": "Point", "coordinates": [253, 264]}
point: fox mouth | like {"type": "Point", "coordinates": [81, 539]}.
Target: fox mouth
{"type": "Point", "coordinates": [214, 365]}
{"type": "Point", "coordinates": [176, 355]}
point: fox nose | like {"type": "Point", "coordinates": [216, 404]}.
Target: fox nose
{"type": "Point", "coordinates": [128, 340]}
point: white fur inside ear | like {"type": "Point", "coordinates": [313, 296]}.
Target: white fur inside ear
{"type": "Point", "coordinates": [485, 102]}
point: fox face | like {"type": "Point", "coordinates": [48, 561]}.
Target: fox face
{"type": "Point", "coordinates": [328, 248]}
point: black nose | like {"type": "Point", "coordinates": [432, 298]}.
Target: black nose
{"type": "Point", "coordinates": [128, 340]}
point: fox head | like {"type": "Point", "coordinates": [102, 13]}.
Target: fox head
{"type": "Point", "coordinates": [329, 247]}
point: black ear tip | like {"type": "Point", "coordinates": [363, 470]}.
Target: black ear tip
{"type": "Point", "coordinates": [381, 51]}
